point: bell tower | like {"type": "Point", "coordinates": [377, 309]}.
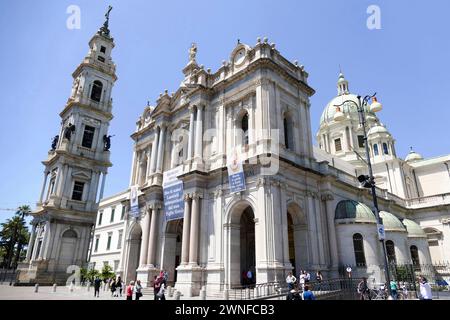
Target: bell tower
{"type": "Point", "coordinates": [76, 165]}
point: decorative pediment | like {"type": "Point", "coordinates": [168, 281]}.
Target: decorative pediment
{"type": "Point", "coordinates": [81, 175]}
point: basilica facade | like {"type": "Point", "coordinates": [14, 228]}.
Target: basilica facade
{"type": "Point", "coordinates": [225, 179]}
{"type": "Point", "coordinates": [302, 206]}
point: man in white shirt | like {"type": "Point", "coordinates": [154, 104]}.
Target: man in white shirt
{"type": "Point", "coordinates": [290, 280]}
{"type": "Point", "coordinates": [425, 289]}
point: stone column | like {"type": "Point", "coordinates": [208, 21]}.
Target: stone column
{"type": "Point", "coordinates": [319, 230]}
{"type": "Point", "coordinates": [102, 189]}
{"type": "Point", "coordinates": [148, 162]}
{"type": "Point", "coordinates": [153, 237]}
{"type": "Point", "coordinates": [191, 133]}
{"type": "Point", "coordinates": [154, 149]}
{"type": "Point", "coordinates": [199, 133]}
{"type": "Point", "coordinates": [159, 163]}
{"type": "Point", "coordinates": [31, 243]}
{"type": "Point", "coordinates": [332, 240]}
{"type": "Point", "coordinates": [186, 230]}
{"type": "Point", "coordinates": [43, 186]}
{"type": "Point", "coordinates": [221, 134]}
{"type": "Point", "coordinates": [145, 238]}
{"type": "Point", "coordinates": [195, 230]}
{"type": "Point", "coordinates": [312, 230]}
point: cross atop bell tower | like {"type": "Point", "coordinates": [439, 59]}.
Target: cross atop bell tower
{"type": "Point", "coordinates": [76, 165]}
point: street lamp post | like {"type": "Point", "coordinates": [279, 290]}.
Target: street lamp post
{"type": "Point", "coordinates": [369, 181]}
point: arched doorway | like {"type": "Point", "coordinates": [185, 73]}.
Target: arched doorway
{"type": "Point", "coordinates": [67, 249]}
{"type": "Point", "coordinates": [297, 238]}
{"type": "Point", "coordinates": [134, 249]}
{"type": "Point", "coordinates": [241, 241]}
{"type": "Point", "coordinates": [247, 243]}
{"type": "Point", "coordinates": [172, 249]}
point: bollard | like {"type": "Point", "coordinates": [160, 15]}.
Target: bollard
{"type": "Point", "coordinates": [88, 286]}
{"type": "Point", "coordinates": [203, 293]}
{"type": "Point", "coordinates": [36, 287]}
{"type": "Point", "coordinates": [54, 287]}
{"type": "Point", "coordinates": [226, 294]}
{"type": "Point", "coordinates": [255, 292]}
{"type": "Point", "coordinates": [169, 291]}
{"type": "Point", "coordinates": [177, 295]}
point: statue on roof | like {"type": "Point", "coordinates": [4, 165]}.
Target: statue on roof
{"type": "Point", "coordinates": [192, 52]}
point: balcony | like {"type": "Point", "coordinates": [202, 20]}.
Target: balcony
{"type": "Point", "coordinates": [429, 201]}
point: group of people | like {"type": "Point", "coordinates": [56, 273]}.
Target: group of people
{"type": "Point", "coordinates": [300, 290]}
{"type": "Point", "coordinates": [424, 289]}
{"type": "Point", "coordinates": [159, 285]}
{"type": "Point", "coordinates": [115, 285]}
{"type": "Point", "coordinates": [134, 288]}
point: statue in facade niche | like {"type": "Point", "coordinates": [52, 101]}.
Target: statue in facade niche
{"type": "Point", "coordinates": [68, 131]}
{"type": "Point", "coordinates": [106, 142]}
{"type": "Point", "coordinates": [192, 52]}
{"type": "Point", "coordinates": [55, 142]}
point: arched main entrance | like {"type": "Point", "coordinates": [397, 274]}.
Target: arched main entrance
{"type": "Point", "coordinates": [67, 249]}
{"type": "Point", "coordinates": [247, 243]}
{"type": "Point", "coordinates": [242, 246]}
{"type": "Point", "coordinates": [172, 249]}
{"type": "Point", "coordinates": [133, 252]}
{"type": "Point", "coordinates": [297, 238]}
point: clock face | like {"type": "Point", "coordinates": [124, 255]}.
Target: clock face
{"type": "Point", "coordinates": [239, 57]}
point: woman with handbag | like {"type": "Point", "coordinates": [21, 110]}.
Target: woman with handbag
{"type": "Point", "coordinates": [138, 290]}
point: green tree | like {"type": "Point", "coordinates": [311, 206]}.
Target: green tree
{"type": "Point", "coordinates": [107, 272]}
{"type": "Point", "coordinates": [14, 236]}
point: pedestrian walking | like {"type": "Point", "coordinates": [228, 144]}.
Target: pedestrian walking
{"type": "Point", "coordinates": [302, 278]}
{"type": "Point", "coordinates": [307, 294]}
{"type": "Point", "coordinates": [138, 290]}
{"type": "Point", "coordinates": [394, 289]}
{"type": "Point", "coordinates": [156, 287]}
{"type": "Point", "coordinates": [129, 291]}
{"type": "Point", "coordinates": [119, 285]}
{"type": "Point", "coordinates": [250, 277]}
{"type": "Point", "coordinates": [363, 289]}
{"type": "Point", "coordinates": [113, 288]}
{"type": "Point", "coordinates": [97, 284]}
{"type": "Point", "coordinates": [294, 294]}
{"type": "Point", "coordinates": [425, 289]}
{"type": "Point", "coordinates": [290, 280]}
{"type": "Point", "coordinates": [319, 279]}
{"type": "Point", "coordinates": [161, 292]}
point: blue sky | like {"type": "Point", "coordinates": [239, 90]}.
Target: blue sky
{"type": "Point", "coordinates": [406, 62]}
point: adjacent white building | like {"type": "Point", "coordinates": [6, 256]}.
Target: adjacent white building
{"type": "Point", "coordinates": [108, 239]}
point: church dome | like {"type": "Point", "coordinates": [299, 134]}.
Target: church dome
{"type": "Point", "coordinates": [357, 211]}
{"type": "Point", "coordinates": [391, 222]}
{"type": "Point", "coordinates": [377, 129]}
{"type": "Point", "coordinates": [349, 108]}
{"type": "Point", "coordinates": [414, 230]}
{"type": "Point", "coordinates": [413, 156]}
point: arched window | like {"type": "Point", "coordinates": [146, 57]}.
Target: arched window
{"type": "Point", "coordinates": [375, 149]}
{"type": "Point", "coordinates": [390, 251]}
{"type": "Point", "coordinates": [69, 234]}
{"type": "Point", "coordinates": [96, 92]}
{"type": "Point", "coordinates": [414, 256]}
{"type": "Point", "coordinates": [244, 127]}
{"type": "Point", "coordinates": [288, 131]}
{"type": "Point", "coordinates": [358, 247]}
{"type": "Point", "coordinates": [385, 148]}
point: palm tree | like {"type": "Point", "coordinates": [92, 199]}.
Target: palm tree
{"type": "Point", "coordinates": [23, 235]}
{"type": "Point", "coordinates": [14, 231]}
